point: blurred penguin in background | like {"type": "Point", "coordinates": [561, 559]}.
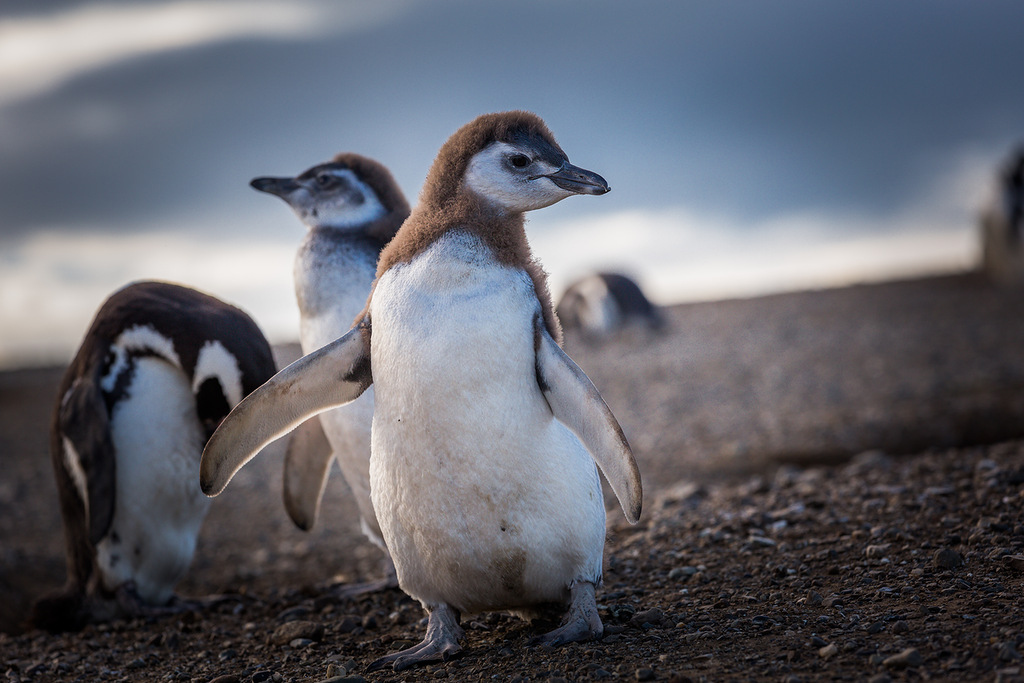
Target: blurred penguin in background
{"type": "Point", "coordinates": [1002, 225]}
{"type": "Point", "coordinates": [602, 304]}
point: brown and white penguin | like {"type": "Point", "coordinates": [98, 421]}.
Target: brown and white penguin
{"type": "Point", "coordinates": [158, 369]}
{"type": "Point", "coordinates": [352, 207]}
{"type": "Point", "coordinates": [602, 303]}
{"type": "Point", "coordinates": [485, 434]}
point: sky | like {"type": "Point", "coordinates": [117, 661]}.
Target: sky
{"type": "Point", "coordinates": [751, 147]}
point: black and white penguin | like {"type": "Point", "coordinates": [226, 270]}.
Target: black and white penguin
{"type": "Point", "coordinates": [602, 303]}
{"type": "Point", "coordinates": [1002, 225]}
{"type": "Point", "coordinates": [352, 207]}
{"type": "Point", "coordinates": [485, 433]}
{"type": "Point", "coordinates": [158, 369]}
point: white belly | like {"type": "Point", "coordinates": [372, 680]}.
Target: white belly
{"type": "Point", "coordinates": [485, 501]}
{"type": "Point", "coordinates": [335, 285]}
{"type": "Point", "coordinates": [158, 443]}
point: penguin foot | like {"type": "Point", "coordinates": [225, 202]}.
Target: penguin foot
{"type": "Point", "coordinates": [440, 643]}
{"type": "Point", "coordinates": [581, 622]}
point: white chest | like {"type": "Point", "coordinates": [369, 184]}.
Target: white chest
{"type": "Point", "coordinates": [158, 443]}
{"type": "Point", "coordinates": [484, 499]}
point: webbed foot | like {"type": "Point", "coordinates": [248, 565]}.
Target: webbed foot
{"type": "Point", "coordinates": [440, 643]}
{"type": "Point", "coordinates": [581, 621]}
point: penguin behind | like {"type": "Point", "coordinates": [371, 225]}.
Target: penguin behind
{"type": "Point", "coordinates": [352, 207]}
{"type": "Point", "coordinates": [1002, 225]}
{"type": "Point", "coordinates": [602, 303]}
{"type": "Point", "coordinates": [485, 433]}
{"type": "Point", "coordinates": [158, 369]}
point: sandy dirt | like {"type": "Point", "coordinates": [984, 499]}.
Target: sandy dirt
{"type": "Point", "coordinates": [834, 491]}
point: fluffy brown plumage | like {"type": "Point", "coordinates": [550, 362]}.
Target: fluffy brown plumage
{"type": "Point", "coordinates": [445, 204]}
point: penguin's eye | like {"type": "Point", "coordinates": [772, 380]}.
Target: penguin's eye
{"type": "Point", "coordinates": [325, 180]}
{"type": "Point", "coordinates": [519, 160]}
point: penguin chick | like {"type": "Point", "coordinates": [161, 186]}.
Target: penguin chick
{"type": "Point", "coordinates": [352, 207]}
{"type": "Point", "coordinates": [602, 303]}
{"type": "Point", "coordinates": [158, 369]}
{"type": "Point", "coordinates": [1002, 225]}
{"type": "Point", "coordinates": [485, 434]}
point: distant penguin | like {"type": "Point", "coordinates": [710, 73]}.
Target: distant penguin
{"type": "Point", "coordinates": [1002, 225]}
{"type": "Point", "coordinates": [352, 207]}
{"type": "Point", "coordinates": [485, 434]}
{"type": "Point", "coordinates": [159, 368]}
{"type": "Point", "coordinates": [603, 303]}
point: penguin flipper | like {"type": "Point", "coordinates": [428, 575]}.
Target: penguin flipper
{"type": "Point", "coordinates": [82, 420]}
{"type": "Point", "coordinates": [576, 403]}
{"type": "Point", "coordinates": [333, 375]}
{"type": "Point", "coordinates": [307, 465]}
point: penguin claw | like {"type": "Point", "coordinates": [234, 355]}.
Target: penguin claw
{"type": "Point", "coordinates": [440, 644]}
{"type": "Point", "coordinates": [581, 622]}
{"type": "Point", "coordinates": [351, 591]}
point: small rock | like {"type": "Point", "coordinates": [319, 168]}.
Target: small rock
{"type": "Point", "coordinates": [876, 627]}
{"type": "Point", "coordinates": [227, 655]}
{"type": "Point", "coordinates": [947, 558]}
{"type": "Point", "coordinates": [645, 674]}
{"type": "Point", "coordinates": [293, 613]}
{"type": "Point", "coordinates": [900, 626]}
{"type": "Point", "coordinates": [299, 643]}
{"type": "Point", "coordinates": [908, 658]}
{"type": "Point", "coordinates": [226, 678]}
{"type": "Point", "coordinates": [286, 633]}
{"type": "Point", "coordinates": [262, 675]}
{"type": "Point", "coordinates": [814, 598]}
{"type": "Point", "coordinates": [828, 651]}
{"type": "Point", "coordinates": [648, 616]}
{"type": "Point", "coordinates": [1016, 562]}
{"type": "Point", "coordinates": [1008, 653]}
{"type": "Point", "coordinates": [818, 641]}
{"type": "Point", "coordinates": [874, 552]}
{"type": "Point", "coordinates": [880, 678]}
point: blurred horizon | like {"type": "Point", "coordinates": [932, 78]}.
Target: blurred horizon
{"type": "Point", "coordinates": [751, 148]}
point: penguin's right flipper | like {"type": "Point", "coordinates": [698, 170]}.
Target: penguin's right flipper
{"type": "Point", "coordinates": [307, 464]}
{"type": "Point", "coordinates": [89, 463]}
{"type": "Point", "coordinates": [333, 375]}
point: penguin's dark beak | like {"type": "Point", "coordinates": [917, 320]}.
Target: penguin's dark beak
{"type": "Point", "coordinates": [281, 187]}
{"type": "Point", "coordinates": [578, 180]}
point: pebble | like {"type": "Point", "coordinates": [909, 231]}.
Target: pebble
{"type": "Point", "coordinates": [286, 633]}
{"type": "Point", "coordinates": [828, 651]}
{"type": "Point", "coordinates": [262, 675]}
{"type": "Point", "coordinates": [878, 551]}
{"type": "Point", "coordinates": [908, 658]}
{"type": "Point", "coordinates": [947, 558]}
{"type": "Point", "coordinates": [1008, 653]}
{"type": "Point", "coordinates": [1016, 562]}
{"type": "Point", "coordinates": [814, 598]}
{"type": "Point", "coordinates": [648, 616]}
{"type": "Point", "coordinates": [226, 678]}
{"type": "Point", "coordinates": [645, 674]}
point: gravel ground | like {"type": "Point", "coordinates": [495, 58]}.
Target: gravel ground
{"type": "Point", "coordinates": [835, 490]}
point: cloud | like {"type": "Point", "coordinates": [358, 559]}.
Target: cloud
{"type": "Point", "coordinates": [39, 53]}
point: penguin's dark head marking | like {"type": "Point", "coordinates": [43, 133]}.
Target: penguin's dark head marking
{"type": "Point", "coordinates": [211, 405]}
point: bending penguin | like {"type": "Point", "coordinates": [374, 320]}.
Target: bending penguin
{"type": "Point", "coordinates": [1002, 225]}
{"type": "Point", "coordinates": [352, 207]}
{"type": "Point", "coordinates": [485, 433]}
{"type": "Point", "coordinates": [158, 369]}
{"type": "Point", "coordinates": [602, 303]}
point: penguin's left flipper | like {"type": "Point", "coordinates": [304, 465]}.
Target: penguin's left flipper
{"type": "Point", "coordinates": [307, 465]}
{"type": "Point", "coordinates": [576, 403]}
{"type": "Point", "coordinates": [331, 376]}
{"type": "Point", "coordinates": [83, 421]}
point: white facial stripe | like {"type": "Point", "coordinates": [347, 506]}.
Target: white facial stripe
{"type": "Point", "coordinates": [146, 338]}
{"type": "Point", "coordinates": [73, 465]}
{"type": "Point", "coordinates": [216, 361]}
{"type": "Point", "coordinates": [490, 176]}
